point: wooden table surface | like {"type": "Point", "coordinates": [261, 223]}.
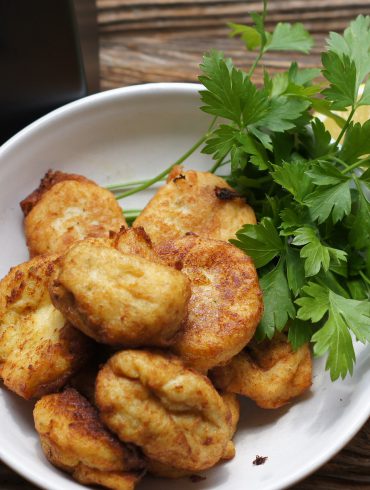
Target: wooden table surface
{"type": "Point", "coordinates": [163, 40]}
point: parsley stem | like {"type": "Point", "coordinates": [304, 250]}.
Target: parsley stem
{"type": "Point", "coordinates": [165, 172]}
{"type": "Point", "coordinates": [265, 178]}
{"type": "Point", "coordinates": [353, 166]}
{"type": "Point", "coordinates": [125, 185]}
{"type": "Point", "coordinates": [212, 125]}
{"type": "Point", "coordinates": [217, 164]}
{"type": "Point", "coordinates": [338, 160]}
{"type": "Point", "coordinates": [344, 129]}
{"type": "Point", "coordinates": [130, 212]}
{"type": "Point", "coordinates": [255, 63]}
{"type": "Point", "coordinates": [364, 277]}
{"type": "Point", "coordinates": [263, 42]}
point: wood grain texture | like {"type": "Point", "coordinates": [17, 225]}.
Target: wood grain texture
{"type": "Point", "coordinates": [163, 40]}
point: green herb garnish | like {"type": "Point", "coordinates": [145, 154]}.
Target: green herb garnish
{"type": "Point", "coordinates": [310, 193]}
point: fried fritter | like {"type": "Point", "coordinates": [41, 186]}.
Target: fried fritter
{"type": "Point", "coordinates": [166, 471]}
{"type": "Point", "coordinates": [198, 202]}
{"type": "Point", "coordinates": [226, 301]}
{"type": "Point", "coordinates": [269, 373]}
{"type": "Point", "coordinates": [39, 348]}
{"type": "Point", "coordinates": [173, 413]}
{"type": "Point", "coordinates": [232, 402]}
{"type": "Point", "coordinates": [73, 439]}
{"type": "Point", "coordinates": [66, 208]}
{"type": "Point", "coordinates": [120, 299]}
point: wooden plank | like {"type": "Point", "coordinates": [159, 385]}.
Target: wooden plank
{"type": "Point", "coordinates": [190, 24]}
{"type": "Point", "coordinates": [256, 6]}
{"type": "Point", "coordinates": [175, 56]}
{"type": "Point", "coordinates": [224, 13]}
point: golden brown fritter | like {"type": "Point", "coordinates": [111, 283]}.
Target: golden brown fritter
{"type": "Point", "coordinates": [165, 471]}
{"type": "Point", "coordinates": [114, 479]}
{"type": "Point", "coordinates": [173, 413]}
{"type": "Point", "coordinates": [226, 301]}
{"type": "Point", "coordinates": [39, 349]}
{"type": "Point", "coordinates": [120, 299]}
{"type": "Point", "coordinates": [232, 402]}
{"type": "Point", "coordinates": [197, 202]}
{"type": "Point", "coordinates": [270, 372]}
{"type": "Point", "coordinates": [51, 178]}
{"type": "Point", "coordinates": [74, 439]}
{"type": "Point", "coordinates": [66, 208]}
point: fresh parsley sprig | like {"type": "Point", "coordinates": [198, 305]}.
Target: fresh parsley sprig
{"type": "Point", "coordinates": [311, 244]}
{"type": "Point", "coordinates": [310, 194]}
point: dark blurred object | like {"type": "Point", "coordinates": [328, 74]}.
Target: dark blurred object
{"type": "Point", "coordinates": [48, 57]}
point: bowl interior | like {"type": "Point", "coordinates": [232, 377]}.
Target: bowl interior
{"type": "Point", "coordinates": [129, 134]}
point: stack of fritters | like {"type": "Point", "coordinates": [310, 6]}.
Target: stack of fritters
{"type": "Point", "coordinates": [171, 288]}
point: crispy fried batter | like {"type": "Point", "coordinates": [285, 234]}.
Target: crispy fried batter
{"type": "Point", "coordinates": [66, 208]}
{"type": "Point", "coordinates": [226, 302]}
{"type": "Point", "coordinates": [197, 202]}
{"type": "Point", "coordinates": [135, 241]}
{"type": "Point", "coordinates": [114, 479]}
{"type": "Point", "coordinates": [73, 439]}
{"type": "Point", "coordinates": [232, 402]}
{"type": "Point", "coordinates": [120, 299]}
{"type": "Point", "coordinates": [270, 372]}
{"type": "Point", "coordinates": [165, 471]}
{"type": "Point", "coordinates": [173, 413]}
{"type": "Point", "coordinates": [49, 179]}
{"type": "Point", "coordinates": [39, 349]}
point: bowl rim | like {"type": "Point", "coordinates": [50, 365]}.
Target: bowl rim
{"type": "Point", "coordinates": [96, 99]}
{"type": "Point", "coordinates": [133, 91]}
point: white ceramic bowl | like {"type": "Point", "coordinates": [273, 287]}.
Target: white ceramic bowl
{"type": "Point", "coordinates": [133, 133]}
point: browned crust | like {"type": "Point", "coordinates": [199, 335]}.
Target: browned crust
{"type": "Point", "coordinates": [36, 369]}
{"type": "Point", "coordinates": [73, 345]}
{"type": "Point", "coordinates": [173, 413]}
{"type": "Point", "coordinates": [219, 323]}
{"type": "Point", "coordinates": [156, 325]}
{"type": "Point", "coordinates": [83, 415]}
{"type": "Point", "coordinates": [141, 234]}
{"type": "Point", "coordinates": [225, 193]}
{"type": "Point", "coordinates": [51, 178]}
{"type": "Point", "coordinates": [114, 480]}
{"type": "Point", "coordinates": [197, 202]}
{"type": "Point", "coordinates": [80, 350]}
{"type": "Point", "coordinates": [74, 439]}
{"type": "Point", "coordinates": [83, 420]}
{"type": "Point", "coordinates": [135, 241]}
{"type": "Point", "coordinates": [270, 373]}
